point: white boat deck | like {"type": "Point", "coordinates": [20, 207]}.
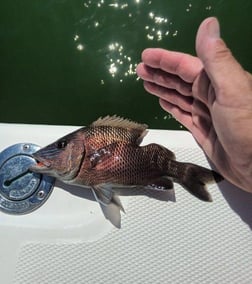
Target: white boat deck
{"type": "Point", "coordinates": [68, 240]}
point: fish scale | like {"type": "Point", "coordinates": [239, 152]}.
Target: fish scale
{"type": "Point", "coordinates": [107, 154]}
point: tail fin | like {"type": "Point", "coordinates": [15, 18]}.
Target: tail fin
{"type": "Point", "coordinates": [195, 178]}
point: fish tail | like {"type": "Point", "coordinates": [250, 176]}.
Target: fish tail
{"type": "Point", "coordinates": [194, 179]}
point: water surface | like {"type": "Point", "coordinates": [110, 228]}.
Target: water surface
{"type": "Point", "coordinates": [69, 62]}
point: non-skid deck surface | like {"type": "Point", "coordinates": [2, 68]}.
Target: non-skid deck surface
{"type": "Point", "coordinates": [187, 241]}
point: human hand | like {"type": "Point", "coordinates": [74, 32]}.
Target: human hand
{"type": "Point", "coordinates": [211, 95]}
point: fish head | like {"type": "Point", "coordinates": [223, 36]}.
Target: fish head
{"type": "Point", "coordinates": [61, 159]}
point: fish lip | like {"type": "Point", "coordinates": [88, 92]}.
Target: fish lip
{"type": "Point", "coordinates": [41, 164]}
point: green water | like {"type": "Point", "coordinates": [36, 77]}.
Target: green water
{"type": "Point", "coordinates": [69, 62]}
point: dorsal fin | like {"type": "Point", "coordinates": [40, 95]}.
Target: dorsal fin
{"type": "Point", "coordinates": [135, 131]}
{"type": "Point", "coordinates": [117, 121]}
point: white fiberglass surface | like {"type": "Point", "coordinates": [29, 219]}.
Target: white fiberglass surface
{"type": "Point", "coordinates": [68, 239]}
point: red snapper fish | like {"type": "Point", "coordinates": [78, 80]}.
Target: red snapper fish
{"type": "Point", "coordinates": [107, 155]}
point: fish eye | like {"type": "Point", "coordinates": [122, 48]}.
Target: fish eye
{"type": "Point", "coordinates": [61, 144]}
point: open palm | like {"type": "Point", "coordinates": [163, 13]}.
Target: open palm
{"type": "Point", "coordinates": [211, 95]}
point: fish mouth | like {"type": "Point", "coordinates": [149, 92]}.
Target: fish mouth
{"type": "Point", "coordinates": [41, 165]}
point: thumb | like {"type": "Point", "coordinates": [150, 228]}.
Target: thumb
{"type": "Point", "coordinates": [218, 61]}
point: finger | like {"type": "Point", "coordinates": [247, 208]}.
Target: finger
{"type": "Point", "coordinates": [199, 109]}
{"type": "Point", "coordinates": [185, 66]}
{"type": "Point", "coordinates": [197, 124]}
{"type": "Point", "coordinates": [164, 79]}
{"type": "Point", "coordinates": [180, 115]}
{"type": "Point", "coordinates": [219, 63]}
{"type": "Point", "coordinates": [202, 89]}
{"type": "Point", "coordinates": [171, 96]}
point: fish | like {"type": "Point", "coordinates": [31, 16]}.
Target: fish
{"type": "Point", "coordinates": [107, 155]}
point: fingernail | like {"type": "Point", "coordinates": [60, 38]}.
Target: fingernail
{"type": "Point", "coordinates": [213, 28]}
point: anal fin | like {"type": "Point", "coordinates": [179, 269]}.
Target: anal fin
{"type": "Point", "coordinates": [160, 184]}
{"type": "Point", "coordinates": [162, 189]}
